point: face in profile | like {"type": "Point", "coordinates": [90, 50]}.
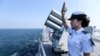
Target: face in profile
{"type": "Point", "coordinates": [75, 23]}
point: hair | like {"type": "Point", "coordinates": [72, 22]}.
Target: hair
{"type": "Point", "coordinates": [85, 22]}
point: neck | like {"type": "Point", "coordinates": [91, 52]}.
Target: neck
{"type": "Point", "coordinates": [77, 28]}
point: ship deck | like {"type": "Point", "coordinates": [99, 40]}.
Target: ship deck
{"type": "Point", "coordinates": [48, 49]}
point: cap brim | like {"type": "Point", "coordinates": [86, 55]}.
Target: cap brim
{"type": "Point", "coordinates": [70, 18]}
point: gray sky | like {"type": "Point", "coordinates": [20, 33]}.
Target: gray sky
{"type": "Point", "coordinates": [33, 13]}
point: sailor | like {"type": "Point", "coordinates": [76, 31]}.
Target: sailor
{"type": "Point", "coordinates": [79, 41]}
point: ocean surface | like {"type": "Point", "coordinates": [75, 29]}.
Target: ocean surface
{"type": "Point", "coordinates": [20, 41]}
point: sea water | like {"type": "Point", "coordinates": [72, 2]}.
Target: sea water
{"type": "Point", "coordinates": [19, 41]}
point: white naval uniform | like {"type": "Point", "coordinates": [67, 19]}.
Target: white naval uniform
{"type": "Point", "coordinates": [78, 42]}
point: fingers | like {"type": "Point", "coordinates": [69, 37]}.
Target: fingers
{"type": "Point", "coordinates": [64, 5]}
{"type": "Point", "coordinates": [63, 8]}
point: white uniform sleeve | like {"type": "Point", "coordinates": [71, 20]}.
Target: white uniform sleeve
{"type": "Point", "coordinates": [86, 45]}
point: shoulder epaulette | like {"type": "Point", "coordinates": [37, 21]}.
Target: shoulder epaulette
{"type": "Point", "coordinates": [91, 40]}
{"type": "Point", "coordinates": [85, 32]}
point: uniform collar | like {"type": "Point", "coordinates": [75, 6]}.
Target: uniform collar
{"type": "Point", "coordinates": [79, 30]}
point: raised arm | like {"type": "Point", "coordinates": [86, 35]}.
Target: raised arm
{"type": "Point", "coordinates": [63, 11]}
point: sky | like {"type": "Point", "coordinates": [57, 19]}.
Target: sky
{"type": "Point", "coordinates": [33, 13]}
